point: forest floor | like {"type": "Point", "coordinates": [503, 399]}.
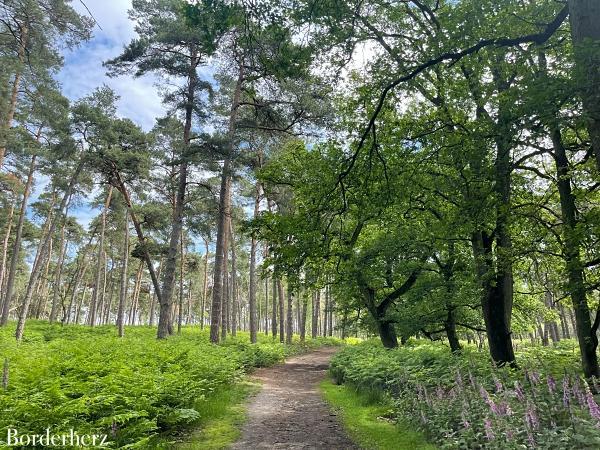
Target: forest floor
{"type": "Point", "coordinates": [289, 412]}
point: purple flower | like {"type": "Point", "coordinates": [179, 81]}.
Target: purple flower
{"type": "Point", "coordinates": [531, 418]}
{"type": "Point", "coordinates": [592, 406]}
{"type": "Point", "coordinates": [578, 393]}
{"type": "Point", "coordinates": [489, 433]}
{"type": "Point", "coordinates": [498, 384]}
{"type": "Point", "coordinates": [551, 384]}
{"type": "Point", "coordinates": [566, 392]}
{"type": "Point", "coordinates": [519, 392]}
{"type": "Point", "coordinates": [531, 439]}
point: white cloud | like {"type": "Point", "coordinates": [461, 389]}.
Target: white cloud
{"type": "Point", "coordinates": [83, 71]}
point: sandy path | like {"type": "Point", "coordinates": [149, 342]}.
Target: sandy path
{"type": "Point", "coordinates": [289, 412]}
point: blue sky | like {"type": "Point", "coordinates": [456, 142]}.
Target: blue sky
{"type": "Point", "coordinates": [83, 72]}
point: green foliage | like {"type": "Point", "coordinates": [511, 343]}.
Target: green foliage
{"type": "Point", "coordinates": [134, 389]}
{"type": "Point", "coordinates": [367, 420]}
{"type": "Point", "coordinates": [461, 401]}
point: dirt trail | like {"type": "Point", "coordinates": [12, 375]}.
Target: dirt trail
{"type": "Point", "coordinates": [289, 412]}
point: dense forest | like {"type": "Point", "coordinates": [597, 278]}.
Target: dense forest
{"type": "Point", "coordinates": [422, 172]}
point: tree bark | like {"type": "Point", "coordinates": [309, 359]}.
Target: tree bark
{"type": "Point", "coordinates": [584, 16]}
{"type": "Point", "coordinates": [234, 287]}
{"type": "Point", "coordinates": [316, 314]}
{"type": "Point", "coordinates": [12, 271]}
{"type": "Point", "coordinates": [205, 286]}
{"type": "Point", "coordinates": [12, 106]}
{"type": "Point", "coordinates": [5, 254]}
{"type": "Point", "coordinates": [290, 327]}
{"type": "Point", "coordinates": [253, 282]}
{"type": "Point", "coordinates": [224, 214]}
{"type": "Point", "coordinates": [586, 336]}
{"type": "Point", "coordinates": [274, 310]}
{"type": "Point", "coordinates": [98, 291]}
{"type": "Point", "coordinates": [124, 285]}
{"type": "Point", "coordinates": [281, 312]}
{"type": "Point", "coordinates": [56, 294]}
{"type": "Point", "coordinates": [36, 271]}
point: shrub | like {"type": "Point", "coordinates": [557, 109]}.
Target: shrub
{"type": "Point", "coordinates": [133, 389]}
{"type": "Point", "coordinates": [463, 401]}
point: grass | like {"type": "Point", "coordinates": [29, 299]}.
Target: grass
{"type": "Point", "coordinates": [364, 417]}
{"type": "Point", "coordinates": [222, 417]}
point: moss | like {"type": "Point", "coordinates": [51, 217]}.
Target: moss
{"type": "Point", "coordinates": [364, 417]}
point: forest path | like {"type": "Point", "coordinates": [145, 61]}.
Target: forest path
{"type": "Point", "coordinates": [289, 412]}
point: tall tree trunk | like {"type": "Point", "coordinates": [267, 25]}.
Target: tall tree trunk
{"type": "Point", "coordinates": [5, 242]}
{"type": "Point", "coordinates": [253, 282]}
{"type": "Point", "coordinates": [274, 310]}
{"type": "Point", "coordinates": [124, 285]}
{"type": "Point", "coordinates": [166, 303]}
{"type": "Point", "coordinates": [281, 311]}
{"type": "Point", "coordinates": [56, 294]}
{"type": "Point", "coordinates": [326, 312]}
{"type": "Point", "coordinates": [14, 261]}
{"type": "Point", "coordinates": [266, 312]}
{"type": "Point", "coordinates": [7, 121]}
{"type": "Point", "coordinates": [79, 276]}
{"type": "Point", "coordinates": [98, 291]}
{"type": "Point", "coordinates": [316, 314]}
{"type": "Point", "coordinates": [586, 335]}
{"type": "Point", "coordinates": [290, 327]}
{"type": "Point", "coordinates": [302, 324]}
{"type": "Point", "coordinates": [140, 234]}
{"type": "Point", "coordinates": [205, 285]}
{"type": "Point", "coordinates": [136, 293]}
{"type": "Point", "coordinates": [234, 286]}
{"type": "Point", "coordinates": [220, 269]}
{"type": "Point", "coordinates": [181, 277]}
{"type": "Point", "coordinates": [584, 16]}
{"type": "Point", "coordinates": [35, 273]}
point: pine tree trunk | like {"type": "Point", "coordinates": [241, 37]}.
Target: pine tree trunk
{"type": "Point", "coordinates": [302, 323]}
{"type": "Point", "coordinates": [234, 286]}
{"type": "Point", "coordinates": [12, 106]}
{"type": "Point", "coordinates": [3, 270]}
{"type": "Point", "coordinates": [98, 292]}
{"type": "Point", "coordinates": [205, 286]}
{"type": "Point", "coordinates": [220, 269]}
{"type": "Point", "coordinates": [181, 277]}
{"type": "Point", "coordinates": [80, 276]}
{"type": "Point", "coordinates": [12, 271]}
{"type": "Point", "coordinates": [124, 285]}
{"type": "Point", "coordinates": [281, 311]}
{"type": "Point", "coordinates": [316, 315]}
{"type": "Point", "coordinates": [56, 294]}
{"type": "Point", "coordinates": [290, 327]}
{"type": "Point", "coordinates": [165, 327]}
{"type": "Point", "coordinates": [274, 310]}
{"type": "Point", "coordinates": [253, 282]}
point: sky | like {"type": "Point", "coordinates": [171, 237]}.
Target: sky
{"type": "Point", "coordinates": [83, 73]}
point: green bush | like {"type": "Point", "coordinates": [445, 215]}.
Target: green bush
{"type": "Point", "coordinates": [463, 401]}
{"type": "Point", "coordinates": [134, 389]}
